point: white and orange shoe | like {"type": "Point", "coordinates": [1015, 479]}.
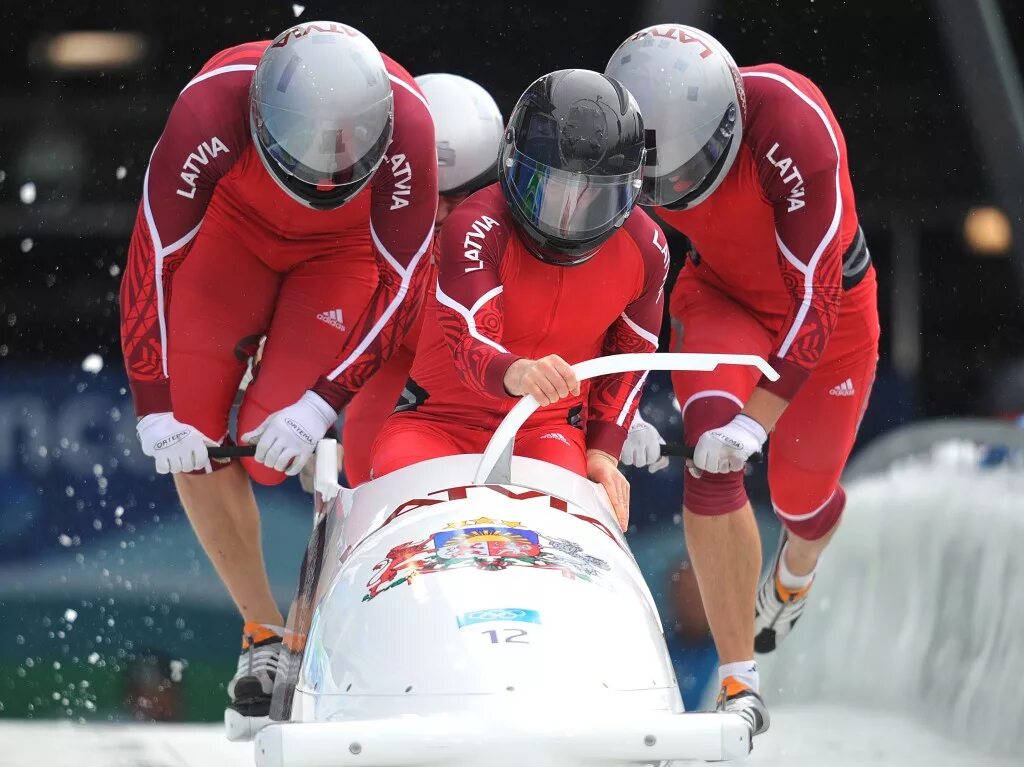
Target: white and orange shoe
{"type": "Point", "coordinates": [735, 697]}
{"type": "Point", "coordinates": [253, 684]}
{"type": "Point", "coordinates": [777, 608]}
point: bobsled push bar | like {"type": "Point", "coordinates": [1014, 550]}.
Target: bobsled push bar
{"type": "Point", "coordinates": [671, 450]}
{"type": "Point", "coordinates": [496, 465]}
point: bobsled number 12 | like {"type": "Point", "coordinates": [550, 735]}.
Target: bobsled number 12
{"type": "Point", "coordinates": [512, 636]}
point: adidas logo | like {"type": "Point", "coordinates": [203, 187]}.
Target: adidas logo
{"type": "Point", "coordinates": [333, 318]}
{"type": "Point", "coordinates": [557, 436]}
{"type": "Point", "coordinates": [845, 389]}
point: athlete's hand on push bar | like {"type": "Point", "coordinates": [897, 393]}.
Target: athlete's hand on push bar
{"type": "Point", "coordinates": [548, 379]}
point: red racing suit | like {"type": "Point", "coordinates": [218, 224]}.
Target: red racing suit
{"type": "Point", "coordinates": [495, 303]}
{"type": "Point", "coordinates": [375, 401]}
{"type": "Point", "coordinates": [781, 270]}
{"type": "Point", "coordinates": [220, 256]}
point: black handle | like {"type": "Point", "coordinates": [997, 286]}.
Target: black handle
{"type": "Point", "coordinates": [232, 451]}
{"type": "Point", "coordinates": [679, 450]}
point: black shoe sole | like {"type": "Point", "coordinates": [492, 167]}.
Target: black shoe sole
{"type": "Point", "coordinates": [764, 642]}
{"type": "Point", "coordinates": [250, 700]}
{"type": "Point", "coordinates": [251, 706]}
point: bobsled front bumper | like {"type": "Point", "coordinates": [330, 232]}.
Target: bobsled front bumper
{"type": "Point", "coordinates": [463, 741]}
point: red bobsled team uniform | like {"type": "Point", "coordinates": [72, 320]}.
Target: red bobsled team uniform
{"type": "Point", "coordinates": [781, 270]}
{"type": "Point", "coordinates": [495, 303]}
{"type": "Point", "coordinates": [220, 256]}
{"type": "Point", "coordinates": [375, 401]}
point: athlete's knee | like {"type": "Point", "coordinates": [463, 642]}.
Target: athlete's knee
{"type": "Point", "coordinates": [262, 474]}
{"type": "Point", "coordinates": [811, 524]}
{"type": "Point", "coordinates": [711, 494]}
{"type": "Point", "coordinates": [402, 442]}
{"type": "Point", "coordinates": [564, 446]}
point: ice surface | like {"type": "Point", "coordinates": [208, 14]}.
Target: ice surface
{"type": "Point", "coordinates": [801, 736]}
{"type": "Point", "coordinates": [917, 610]}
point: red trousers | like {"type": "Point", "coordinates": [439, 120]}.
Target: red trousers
{"type": "Point", "coordinates": [411, 437]}
{"type": "Point", "coordinates": [240, 282]}
{"type": "Point", "coordinates": [367, 412]}
{"type": "Point", "coordinates": [813, 439]}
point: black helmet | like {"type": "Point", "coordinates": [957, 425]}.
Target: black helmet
{"type": "Point", "coordinates": [571, 163]}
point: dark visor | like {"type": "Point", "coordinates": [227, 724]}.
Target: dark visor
{"type": "Point", "coordinates": [566, 205]}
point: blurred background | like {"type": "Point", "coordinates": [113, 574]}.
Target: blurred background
{"type": "Point", "coordinates": [110, 609]}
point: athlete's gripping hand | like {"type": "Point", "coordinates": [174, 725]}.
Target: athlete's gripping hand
{"type": "Point", "coordinates": [548, 379]}
{"type": "Point", "coordinates": [175, 446]}
{"type": "Point", "coordinates": [643, 446]}
{"type": "Point", "coordinates": [729, 447]}
{"type": "Point", "coordinates": [287, 438]}
{"type": "Point", "coordinates": [604, 469]}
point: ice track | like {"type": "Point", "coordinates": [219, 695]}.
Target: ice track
{"type": "Point", "coordinates": [801, 736]}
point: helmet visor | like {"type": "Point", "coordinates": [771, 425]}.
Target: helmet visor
{"type": "Point", "coordinates": [320, 152]}
{"type": "Point", "coordinates": [665, 188]}
{"type": "Point", "coordinates": [564, 205]}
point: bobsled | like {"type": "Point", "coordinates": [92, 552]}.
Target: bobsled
{"type": "Point", "coordinates": [481, 610]}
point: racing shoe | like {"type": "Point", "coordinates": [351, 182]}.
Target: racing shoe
{"type": "Point", "coordinates": [251, 688]}
{"type": "Point", "coordinates": [735, 697]}
{"type": "Point", "coordinates": [777, 608]}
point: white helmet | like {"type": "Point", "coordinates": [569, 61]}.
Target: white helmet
{"type": "Point", "coordinates": [468, 127]}
{"type": "Point", "coordinates": [691, 96]}
{"type": "Point", "coordinates": [321, 112]}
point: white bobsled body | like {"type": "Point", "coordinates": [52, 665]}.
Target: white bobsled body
{"type": "Point", "coordinates": [480, 610]}
{"type": "Point", "coordinates": [476, 598]}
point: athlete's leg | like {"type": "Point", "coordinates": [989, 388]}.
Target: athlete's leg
{"type": "Point", "coordinates": [317, 308]}
{"type": "Point", "coordinates": [562, 445]}
{"type": "Point", "coordinates": [210, 328]}
{"type": "Point", "coordinates": [224, 514]}
{"type": "Point", "coordinates": [409, 438]}
{"type": "Point", "coordinates": [721, 532]}
{"type": "Point", "coordinates": [809, 449]}
{"type": "Point", "coordinates": [367, 412]}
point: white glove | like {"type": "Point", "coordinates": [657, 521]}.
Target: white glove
{"type": "Point", "coordinates": [643, 446]}
{"type": "Point", "coordinates": [288, 437]}
{"type": "Point", "coordinates": [728, 448]}
{"type": "Point", "coordinates": [175, 446]}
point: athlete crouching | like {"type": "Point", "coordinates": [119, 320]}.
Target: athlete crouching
{"type": "Point", "coordinates": [550, 266]}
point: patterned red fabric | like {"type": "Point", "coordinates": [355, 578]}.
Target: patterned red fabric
{"type": "Point", "coordinates": [496, 303]}
{"type": "Point", "coordinates": [205, 154]}
{"type": "Point", "coordinates": [773, 234]}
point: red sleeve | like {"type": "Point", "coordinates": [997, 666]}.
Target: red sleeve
{"type": "Point", "coordinates": [402, 209]}
{"type": "Point", "coordinates": [206, 132]}
{"type": "Point", "coordinates": [614, 399]}
{"type": "Point", "coordinates": [797, 149]}
{"type": "Point", "coordinates": [469, 288]}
